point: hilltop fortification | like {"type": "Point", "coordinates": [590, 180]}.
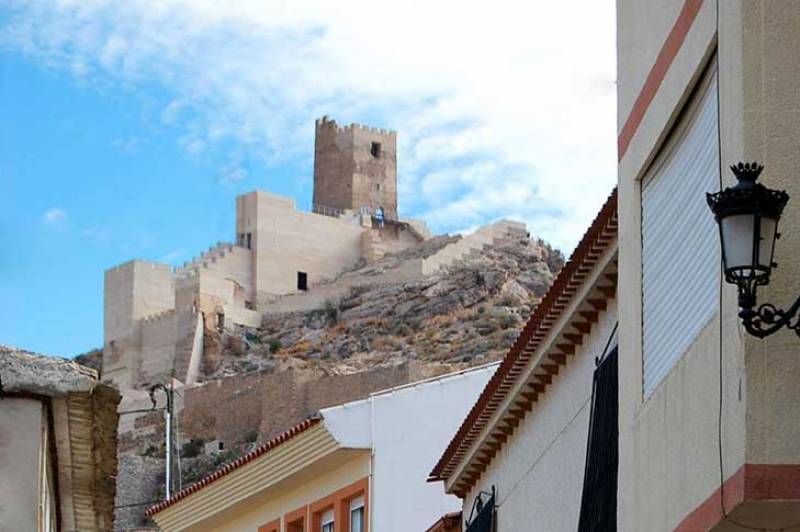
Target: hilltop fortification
{"type": "Point", "coordinates": [155, 316]}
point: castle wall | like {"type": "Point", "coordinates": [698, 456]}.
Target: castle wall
{"type": "Point", "coordinates": [212, 293]}
{"type": "Point", "coordinates": [188, 341]}
{"type": "Point", "coordinates": [333, 163]}
{"type": "Point", "coordinates": [157, 347]}
{"type": "Point", "coordinates": [269, 403]}
{"type": "Point", "coordinates": [132, 291]}
{"type": "Point", "coordinates": [374, 177]}
{"type": "Point", "coordinates": [235, 265]}
{"type": "Point", "coordinates": [396, 238]}
{"type": "Point", "coordinates": [286, 241]}
{"type": "Point", "coordinates": [409, 271]}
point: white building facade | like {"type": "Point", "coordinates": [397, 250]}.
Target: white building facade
{"type": "Point", "coordinates": [519, 459]}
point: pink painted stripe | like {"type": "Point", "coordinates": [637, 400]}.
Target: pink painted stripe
{"type": "Point", "coordinates": [657, 73]}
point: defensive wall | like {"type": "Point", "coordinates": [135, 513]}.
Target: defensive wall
{"type": "Point", "coordinates": [262, 403]}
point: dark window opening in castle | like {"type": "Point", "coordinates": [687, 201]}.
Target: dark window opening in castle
{"type": "Point", "coordinates": [249, 240]}
{"type": "Point", "coordinates": [302, 281]}
{"type": "Point", "coordinates": [376, 149]}
{"type": "Point", "coordinates": [220, 321]}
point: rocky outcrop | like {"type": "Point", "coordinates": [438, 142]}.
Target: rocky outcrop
{"type": "Point", "coordinates": [466, 314]}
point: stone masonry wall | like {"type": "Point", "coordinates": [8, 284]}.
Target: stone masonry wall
{"type": "Point", "coordinates": [141, 480]}
{"type": "Point", "coordinates": [271, 403]}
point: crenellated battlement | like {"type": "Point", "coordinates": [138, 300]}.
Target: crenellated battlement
{"type": "Point", "coordinates": [158, 316]}
{"type": "Point", "coordinates": [213, 253]}
{"type": "Point", "coordinates": [326, 121]}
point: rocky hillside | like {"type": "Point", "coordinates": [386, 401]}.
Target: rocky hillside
{"type": "Point", "coordinates": [465, 315]}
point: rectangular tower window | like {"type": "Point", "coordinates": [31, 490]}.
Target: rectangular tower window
{"type": "Point", "coordinates": [302, 281]}
{"type": "Point", "coordinates": [375, 150]}
{"type": "Point", "coordinates": [249, 240]}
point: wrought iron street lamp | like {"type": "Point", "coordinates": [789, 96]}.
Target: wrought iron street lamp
{"type": "Point", "coordinates": [748, 215]}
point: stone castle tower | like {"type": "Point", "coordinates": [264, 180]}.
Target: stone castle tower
{"type": "Point", "coordinates": [355, 168]}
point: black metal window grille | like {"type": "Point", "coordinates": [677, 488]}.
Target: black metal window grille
{"type": "Point", "coordinates": [482, 516]}
{"type": "Point", "coordinates": [599, 500]}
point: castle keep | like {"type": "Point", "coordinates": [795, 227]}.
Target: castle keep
{"type": "Point", "coordinates": [283, 259]}
{"type": "Point", "coordinates": [355, 168]}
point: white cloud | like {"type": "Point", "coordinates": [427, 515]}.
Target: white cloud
{"type": "Point", "coordinates": [172, 256]}
{"type": "Point", "coordinates": [54, 217]}
{"type": "Point", "coordinates": [502, 108]}
{"type": "Point", "coordinates": [129, 145]}
{"type": "Point", "coordinates": [97, 234]}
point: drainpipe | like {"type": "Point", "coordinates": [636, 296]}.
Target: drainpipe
{"type": "Point", "coordinates": [371, 461]}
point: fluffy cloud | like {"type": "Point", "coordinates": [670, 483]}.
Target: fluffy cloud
{"type": "Point", "coordinates": [503, 108]}
{"type": "Point", "coordinates": [54, 216]}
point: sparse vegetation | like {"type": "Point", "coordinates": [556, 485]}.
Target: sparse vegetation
{"type": "Point", "coordinates": [274, 345]}
{"type": "Point", "coordinates": [465, 314]}
{"type": "Point", "coordinates": [192, 448]}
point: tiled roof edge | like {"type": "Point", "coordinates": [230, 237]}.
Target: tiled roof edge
{"type": "Point", "coordinates": [262, 449]}
{"type": "Point", "coordinates": [543, 310]}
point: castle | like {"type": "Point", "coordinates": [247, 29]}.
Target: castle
{"type": "Point", "coordinates": [155, 316]}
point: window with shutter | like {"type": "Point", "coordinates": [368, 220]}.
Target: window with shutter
{"type": "Point", "coordinates": [680, 249]}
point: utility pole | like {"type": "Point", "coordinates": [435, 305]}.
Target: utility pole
{"type": "Point", "coordinates": [168, 413]}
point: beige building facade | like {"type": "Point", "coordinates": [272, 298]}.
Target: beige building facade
{"type": "Point", "coordinates": [698, 78]}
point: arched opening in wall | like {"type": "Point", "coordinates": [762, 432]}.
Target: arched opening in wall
{"type": "Point", "coordinates": [220, 321]}
{"type": "Point", "coordinates": [375, 149]}
{"type": "Point", "coordinates": [380, 216]}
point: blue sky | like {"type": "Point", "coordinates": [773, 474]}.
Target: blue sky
{"type": "Point", "coordinates": [129, 128]}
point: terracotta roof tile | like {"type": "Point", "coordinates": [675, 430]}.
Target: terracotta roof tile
{"type": "Point", "coordinates": [236, 464]}
{"type": "Point", "coordinates": [595, 241]}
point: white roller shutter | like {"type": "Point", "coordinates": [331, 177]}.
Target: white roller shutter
{"type": "Point", "coordinates": [680, 243]}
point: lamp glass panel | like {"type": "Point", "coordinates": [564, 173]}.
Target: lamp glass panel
{"type": "Point", "coordinates": [737, 241]}
{"type": "Point", "coordinates": [767, 244]}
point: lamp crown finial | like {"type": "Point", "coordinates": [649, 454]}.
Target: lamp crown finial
{"type": "Point", "coordinates": [747, 172]}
